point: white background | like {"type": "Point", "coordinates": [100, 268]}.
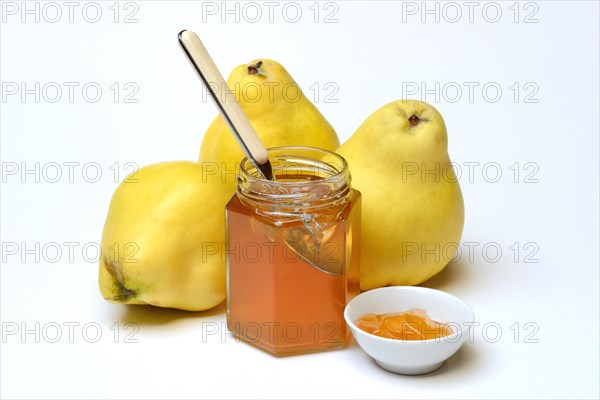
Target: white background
{"type": "Point", "coordinates": [371, 55]}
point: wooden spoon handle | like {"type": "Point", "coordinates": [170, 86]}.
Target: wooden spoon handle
{"type": "Point", "coordinates": [225, 100]}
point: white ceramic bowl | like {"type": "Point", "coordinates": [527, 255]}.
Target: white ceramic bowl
{"type": "Point", "coordinates": [410, 357]}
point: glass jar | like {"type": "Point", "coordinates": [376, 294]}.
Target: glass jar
{"type": "Point", "coordinates": [293, 252]}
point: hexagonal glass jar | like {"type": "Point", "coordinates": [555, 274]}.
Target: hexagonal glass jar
{"type": "Point", "coordinates": [293, 252]}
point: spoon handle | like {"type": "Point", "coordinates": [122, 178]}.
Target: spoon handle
{"type": "Point", "coordinates": [225, 100]}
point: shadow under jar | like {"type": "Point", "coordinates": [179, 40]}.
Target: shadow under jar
{"type": "Point", "coordinates": [293, 252]}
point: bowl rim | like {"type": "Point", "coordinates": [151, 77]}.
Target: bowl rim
{"type": "Point", "coordinates": [411, 342]}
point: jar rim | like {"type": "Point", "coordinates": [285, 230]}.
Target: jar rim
{"type": "Point", "coordinates": [339, 174]}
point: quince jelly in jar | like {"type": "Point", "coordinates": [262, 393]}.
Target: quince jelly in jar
{"type": "Point", "coordinates": [292, 252]}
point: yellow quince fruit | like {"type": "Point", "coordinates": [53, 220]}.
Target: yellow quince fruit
{"type": "Point", "coordinates": [279, 112]}
{"type": "Point", "coordinates": [162, 239]}
{"type": "Point", "coordinates": [412, 209]}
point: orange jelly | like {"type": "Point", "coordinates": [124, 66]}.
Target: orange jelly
{"type": "Point", "coordinates": [413, 324]}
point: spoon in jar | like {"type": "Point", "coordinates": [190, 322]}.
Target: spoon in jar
{"type": "Point", "coordinates": [225, 101]}
{"type": "Point", "coordinates": [297, 238]}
